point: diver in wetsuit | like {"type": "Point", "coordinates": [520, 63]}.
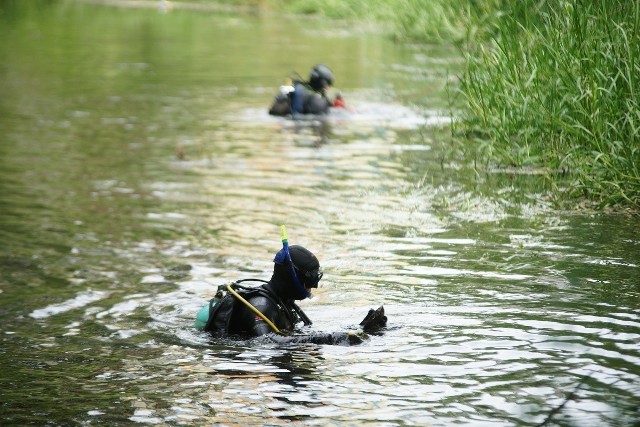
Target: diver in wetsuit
{"type": "Point", "coordinates": [277, 303]}
{"type": "Point", "coordinates": [271, 308]}
{"type": "Point", "coordinates": [308, 97]}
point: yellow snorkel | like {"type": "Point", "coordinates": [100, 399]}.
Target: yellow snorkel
{"type": "Point", "coordinates": [287, 260]}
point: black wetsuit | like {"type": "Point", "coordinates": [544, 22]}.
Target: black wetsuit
{"type": "Point", "coordinates": [301, 101]}
{"type": "Point", "coordinates": [243, 310]}
{"type": "Point", "coordinates": [283, 314]}
{"type": "Point", "coordinates": [304, 101]}
{"type": "Point", "coordinates": [234, 318]}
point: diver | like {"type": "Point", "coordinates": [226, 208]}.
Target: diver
{"type": "Point", "coordinates": [270, 309]}
{"type": "Point", "coordinates": [305, 97]}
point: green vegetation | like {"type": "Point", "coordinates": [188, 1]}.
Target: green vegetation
{"type": "Point", "coordinates": [558, 86]}
{"type": "Point", "coordinates": [414, 20]}
{"type": "Point", "coordinates": [549, 84]}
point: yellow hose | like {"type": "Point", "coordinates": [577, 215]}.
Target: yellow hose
{"type": "Point", "coordinates": [255, 310]}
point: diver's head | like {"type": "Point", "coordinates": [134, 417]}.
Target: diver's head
{"type": "Point", "coordinates": [320, 78]}
{"type": "Point", "coordinates": [305, 267]}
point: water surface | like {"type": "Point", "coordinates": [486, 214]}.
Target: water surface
{"type": "Point", "coordinates": [140, 170]}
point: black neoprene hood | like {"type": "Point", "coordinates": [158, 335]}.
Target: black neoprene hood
{"type": "Point", "coordinates": [307, 266]}
{"type": "Point", "coordinates": [320, 76]}
{"type": "Point", "coordinates": [303, 258]}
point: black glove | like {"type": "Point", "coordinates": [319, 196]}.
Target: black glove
{"type": "Point", "coordinates": [374, 321]}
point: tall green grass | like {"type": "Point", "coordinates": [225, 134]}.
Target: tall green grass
{"type": "Point", "coordinates": [550, 84]}
{"type": "Point", "coordinates": [558, 86]}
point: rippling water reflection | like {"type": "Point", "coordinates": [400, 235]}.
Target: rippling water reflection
{"type": "Point", "coordinates": [498, 305]}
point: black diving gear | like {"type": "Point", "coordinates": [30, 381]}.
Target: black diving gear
{"type": "Point", "coordinates": [305, 97]}
{"type": "Point", "coordinates": [303, 269]}
{"type": "Point", "coordinates": [374, 321]}
{"type": "Point", "coordinates": [273, 299]}
{"type": "Point", "coordinates": [306, 266]}
{"type": "Point", "coordinates": [270, 310]}
{"type": "Point", "coordinates": [229, 315]}
{"type": "Point", "coordinates": [309, 279]}
{"type": "Point", "coordinates": [320, 78]}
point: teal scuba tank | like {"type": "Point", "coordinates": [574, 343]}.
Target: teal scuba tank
{"type": "Point", "coordinates": [202, 317]}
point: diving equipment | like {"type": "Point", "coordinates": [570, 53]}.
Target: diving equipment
{"type": "Point", "coordinates": [320, 77]}
{"type": "Point", "coordinates": [284, 257]}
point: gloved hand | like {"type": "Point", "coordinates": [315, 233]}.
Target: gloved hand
{"type": "Point", "coordinates": [374, 321]}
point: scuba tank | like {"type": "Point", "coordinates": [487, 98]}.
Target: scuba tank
{"type": "Point", "coordinates": [215, 316]}
{"type": "Point", "coordinates": [203, 315]}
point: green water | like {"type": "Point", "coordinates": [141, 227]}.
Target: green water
{"type": "Point", "coordinates": [139, 170]}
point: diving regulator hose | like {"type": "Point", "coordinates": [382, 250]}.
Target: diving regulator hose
{"type": "Point", "coordinates": [202, 317]}
{"type": "Point", "coordinates": [255, 310]}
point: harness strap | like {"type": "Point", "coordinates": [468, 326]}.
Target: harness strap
{"type": "Point", "coordinates": [302, 315]}
{"type": "Point", "coordinates": [255, 310]}
{"type": "Point", "coordinates": [286, 308]}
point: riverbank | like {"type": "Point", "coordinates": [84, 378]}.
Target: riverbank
{"type": "Point", "coordinates": [499, 305]}
{"type": "Point", "coordinates": [547, 85]}
{"type": "Point", "coordinates": [556, 86]}
{"type": "Point", "coordinates": [551, 84]}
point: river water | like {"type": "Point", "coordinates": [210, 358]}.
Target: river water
{"type": "Point", "coordinates": [139, 170]}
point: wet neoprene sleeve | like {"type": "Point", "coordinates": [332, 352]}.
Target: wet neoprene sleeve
{"type": "Point", "coordinates": [337, 338]}
{"type": "Point", "coordinates": [254, 325]}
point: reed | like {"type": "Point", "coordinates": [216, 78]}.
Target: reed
{"type": "Point", "coordinates": [549, 84]}
{"type": "Point", "coordinates": [557, 86]}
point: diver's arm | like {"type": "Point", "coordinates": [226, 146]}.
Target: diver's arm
{"type": "Point", "coordinates": [335, 338]}
{"type": "Point", "coordinates": [259, 328]}
{"type": "Point", "coordinates": [373, 323]}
